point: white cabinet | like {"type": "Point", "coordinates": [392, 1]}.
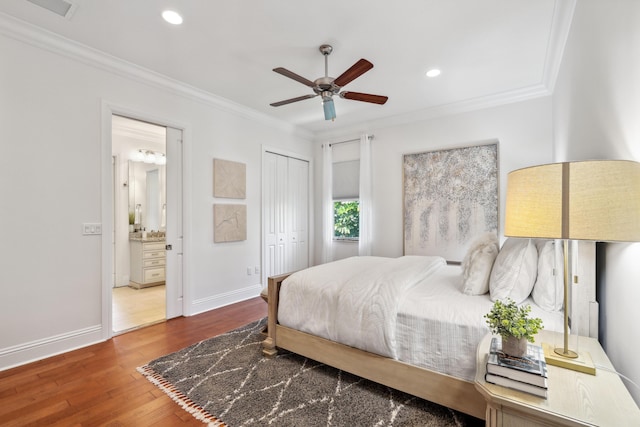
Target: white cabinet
{"type": "Point", "coordinates": [147, 263]}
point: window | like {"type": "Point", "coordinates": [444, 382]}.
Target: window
{"type": "Point", "coordinates": [346, 205]}
{"type": "Point", "coordinates": [346, 220]}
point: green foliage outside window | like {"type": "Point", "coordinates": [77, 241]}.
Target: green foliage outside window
{"type": "Point", "coordinates": [346, 219]}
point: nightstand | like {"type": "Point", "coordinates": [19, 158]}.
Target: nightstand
{"type": "Point", "coordinates": [574, 398]}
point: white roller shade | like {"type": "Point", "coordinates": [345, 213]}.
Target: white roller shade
{"type": "Point", "coordinates": [346, 180]}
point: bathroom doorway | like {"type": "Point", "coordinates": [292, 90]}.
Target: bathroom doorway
{"type": "Point", "coordinates": [139, 151]}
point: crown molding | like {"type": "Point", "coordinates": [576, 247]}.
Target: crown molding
{"type": "Point", "coordinates": [44, 39]}
{"type": "Point", "coordinates": [28, 33]}
{"type": "Point", "coordinates": [480, 103]}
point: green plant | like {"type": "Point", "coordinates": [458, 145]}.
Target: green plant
{"type": "Point", "coordinates": [346, 217]}
{"type": "Point", "coordinates": [506, 318]}
{"type": "Point", "coordinates": [132, 218]}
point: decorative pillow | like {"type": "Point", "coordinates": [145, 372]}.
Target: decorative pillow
{"type": "Point", "coordinates": [514, 271]}
{"type": "Point", "coordinates": [477, 264]}
{"type": "Point", "coordinates": [548, 291]}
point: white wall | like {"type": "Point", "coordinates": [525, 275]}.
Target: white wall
{"type": "Point", "coordinates": [523, 131]}
{"type": "Point", "coordinates": [51, 160]}
{"type": "Point", "coordinates": [596, 108]}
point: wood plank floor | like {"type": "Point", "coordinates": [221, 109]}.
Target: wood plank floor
{"type": "Point", "coordinates": [133, 308]}
{"type": "Point", "coordinates": [99, 385]}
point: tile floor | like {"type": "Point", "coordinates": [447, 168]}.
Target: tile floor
{"type": "Point", "coordinates": [134, 308]}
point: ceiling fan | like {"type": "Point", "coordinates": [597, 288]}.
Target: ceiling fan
{"type": "Point", "coordinates": [327, 86]}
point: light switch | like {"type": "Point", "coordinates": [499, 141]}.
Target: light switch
{"type": "Point", "coordinates": [91, 228]}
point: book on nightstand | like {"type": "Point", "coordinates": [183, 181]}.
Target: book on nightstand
{"type": "Point", "coordinates": [517, 385]}
{"type": "Point", "coordinates": [531, 369]}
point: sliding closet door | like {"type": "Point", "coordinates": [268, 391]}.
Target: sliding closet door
{"type": "Point", "coordinates": [285, 210]}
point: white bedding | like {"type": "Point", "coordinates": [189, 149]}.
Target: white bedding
{"type": "Point", "coordinates": [439, 327]}
{"type": "Point", "coordinates": [353, 301]}
{"type": "Point", "coordinates": [409, 308]}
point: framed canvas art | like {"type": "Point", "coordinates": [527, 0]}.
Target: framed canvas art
{"type": "Point", "coordinates": [229, 223]}
{"type": "Point", "coordinates": [450, 197]}
{"type": "Point", "coordinates": [229, 179]}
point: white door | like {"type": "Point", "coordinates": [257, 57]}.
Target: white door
{"type": "Point", "coordinates": [173, 218]}
{"type": "Point", "coordinates": [285, 211]}
{"type": "Point", "coordinates": [298, 214]}
{"type": "Point", "coordinates": [273, 202]}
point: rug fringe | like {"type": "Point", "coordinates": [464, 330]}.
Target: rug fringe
{"type": "Point", "coordinates": [180, 398]}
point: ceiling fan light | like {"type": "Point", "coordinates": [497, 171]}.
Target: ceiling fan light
{"type": "Point", "coordinates": [329, 109]}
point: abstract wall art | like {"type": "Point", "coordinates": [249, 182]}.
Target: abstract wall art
{"type": "Point", "coordinates": [229, 223]}
{"type": "Point", "coordinates": [229, 179]}
{"type": "Point", "coordinates": [450, 197]}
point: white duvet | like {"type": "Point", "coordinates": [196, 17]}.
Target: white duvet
{"type": "Point", "coordinates": [415, 311]}
{"type": "Point", "coordinates": [353, 301]}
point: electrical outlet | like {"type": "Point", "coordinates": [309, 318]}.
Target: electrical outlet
{"type": "Point", "coordinates": [91, 228]}
{"type": "Point", "coordinates": [257, 270]}
{"type": "Point", "coordinates": [248, 271]}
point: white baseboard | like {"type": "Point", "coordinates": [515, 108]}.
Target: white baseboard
{"type": "Point", "coordinates": [211, 303]}
{"type": "Point", "coordinates": [22, 354]}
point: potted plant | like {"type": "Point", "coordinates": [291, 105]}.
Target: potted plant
{"type": "Point", "coordinates": [132, 221]}
{"type": "Point", "coordinates": [514, 325]}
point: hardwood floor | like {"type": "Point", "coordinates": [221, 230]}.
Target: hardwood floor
{"type": "Point", "coordinates": [99, 385]}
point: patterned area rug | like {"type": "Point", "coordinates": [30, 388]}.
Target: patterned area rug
{"type": "Point", "coordinates": [226, 381]}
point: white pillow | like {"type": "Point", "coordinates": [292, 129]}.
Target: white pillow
{"type": "Point", "coordinates": [477, 264]}
{"type": "Point", "coordinates": [548, 291]}
{"type": "Point", "coordinates": [514, 271]}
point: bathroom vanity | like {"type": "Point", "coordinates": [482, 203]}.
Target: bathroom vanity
{"type": "Point", "coordinates": [148, 261]}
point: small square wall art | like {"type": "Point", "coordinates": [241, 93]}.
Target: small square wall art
{"type": "Point", "coordinates": [229, 223]}
{"type": "Point", "coordinates": [229, 179]}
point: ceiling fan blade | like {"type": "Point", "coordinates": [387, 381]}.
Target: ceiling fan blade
{"type": "Point", "coordinates": [364, 97]}
{"type": "Point", "coordinates": [289, 101]}
{"type": "Point", "coordinates": [294, 76]}
{"type": "Point", "coordinates": [356, 70]}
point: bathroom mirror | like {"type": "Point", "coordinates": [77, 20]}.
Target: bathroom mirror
{"type": "Point", "coordinates": [147, 196]}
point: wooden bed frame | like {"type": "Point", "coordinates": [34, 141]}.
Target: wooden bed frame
{"type": "Point", "coordinates": [430, 385]}
{"type": "Point", "coordinates": [439, 388]}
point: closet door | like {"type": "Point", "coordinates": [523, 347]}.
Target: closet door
{"type": "Point", "coordinates": [298, 214]}
{"type": "Point", "coordinates": [273, 208]}
{"type": "Point", "coordinates": [285, 210]}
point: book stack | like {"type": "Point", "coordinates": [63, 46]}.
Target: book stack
{"type": "Point", "coordinates": [528, 373]}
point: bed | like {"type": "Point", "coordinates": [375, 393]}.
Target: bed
{"type": "Point", "coordinates": [420, 338]}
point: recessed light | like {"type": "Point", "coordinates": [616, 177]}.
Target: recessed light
{"type": "Point", "coordinates": [172, 17]}
{"type": "Point", "coordinates": [433, 72]}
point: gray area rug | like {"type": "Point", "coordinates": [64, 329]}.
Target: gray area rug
{"type": "Point", "coordinates": [226, 381]}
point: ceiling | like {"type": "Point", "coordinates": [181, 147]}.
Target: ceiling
{"type": "Point", "coordinates": [489, 51]}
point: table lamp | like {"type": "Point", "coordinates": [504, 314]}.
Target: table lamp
{"type": "Point", "coordinates": [596, 200]}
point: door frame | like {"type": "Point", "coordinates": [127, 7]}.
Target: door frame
{"type": "Point", "coordinates": [108, 110]}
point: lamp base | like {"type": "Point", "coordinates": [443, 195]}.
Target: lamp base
{"type": "Point", "coordinates": [581, 363]}
{"type": "Point", "coordinates": [560, 351]}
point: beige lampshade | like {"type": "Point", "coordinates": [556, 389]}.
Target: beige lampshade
{"type": "Point", "coordinates": [595, 200]}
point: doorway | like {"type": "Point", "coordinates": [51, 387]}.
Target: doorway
{"type": "Point", "coordinates": [171, 214]}
{"type": "Point", "coordinates": [139, 223]}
